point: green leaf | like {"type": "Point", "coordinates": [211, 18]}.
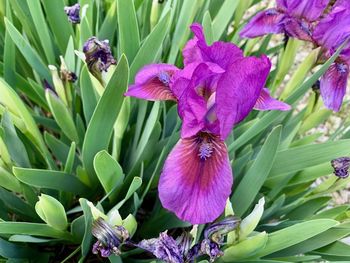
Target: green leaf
{"type": "Point", "coordinates": [62, 116]}
{"type": "Point", "coordinates": [151, 46]}
{"type": "Point", "coordinates": [109, 173]}
{"type": "Point", "coordinates": [255, 177]}
{"type": "Point", "coordinates": [9, 181]}
{"type": "Point", "coordinates": [295, 234]}
{"type": "Point", "coordinates": [87, 239]}
{"type": "Point", "coordinates": [299, 158]}
{"type": "Point", "coordinates": [35, 229]}
{"type": "Point", "coordinates": [129, 36]}
{"type": "Point", "coordinates": [61, 27]}
{"type": "Point", "coordinates": [51, 180]}
{"type": "Point", "coordinates": [182, 30]}
{"type": "Point", "coordinates": [87, 94]}
{"type": "Point", "coordinates": [42, 29]}
{"type": "Point", "coordinates": [246, 248]}
{"type": "Point", "coordinates": [223, 17]}
{"type": "Point", "coordinates": [208, 28]}
{"type": "Point", "coordinates": [14, 145]}
{"type": "Point", "coordinates": [105, 115]}
{"type": "Point", "coordinates": [135, 184]}
{"type": "Point", "coordinates": [316, 242]}
{"type": "Point", "coordinates": [52, 212]}
{"type": "Point", "coordinates": [11, 250]}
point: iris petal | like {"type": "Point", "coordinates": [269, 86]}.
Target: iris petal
{"type": "Point", "coordinates": [333, 85]}
{"type": "Point", "coordinates": [196, 179]}
{"type": "Point", "coordinates": [266, 102]}
{"type": "Point", "coordinates": [265, 22]}
{"type": "Point", "coordinates": [153, 83]}
{"type": "Point", "coordinates": [238, 90]}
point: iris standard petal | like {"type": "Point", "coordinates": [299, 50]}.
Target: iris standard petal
{"type": "Point", "coordinates": [333, 85]}
{"type": "Point", "coordinates": [196, 179]}
{"type": "Point", "coordinates": [153, 83]}
{"type": "Point", "coordinates": [297, 28]}
{"type": "Point", "coordinates": [266, 102]}
{"type": "Point", "coordinates": [219, 52]}
{"type": "Point", "coordinates": [333, 30]}
{"type": "Point", "coordinates": [265, 22]}
{"type": "Point", "coordinates": [307, 9]}
{"type": "Point", "coordinates": [238, 90]}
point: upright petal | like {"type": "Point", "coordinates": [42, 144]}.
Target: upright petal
{"type": "Point", "coordinates": [333, 85]}
{"type": "Point", "coordinates": [196, 179]}
{"type": "Point", "coordinates": [153, 83]}
{"type": "Point", "coordinates": [265, 22]}
{"type": "Point", "coordinates": [333, 30]}
{"type": "Point", "coordinates": [297, 28]}
{"type": "Point", "coordinates": [266, 102]}
{"type": "Point", "coordinates": [238, 90]}
{"type": "Point", "coordinates": [221, 53]}
{"type": "Point", "coordinates": [193, 101]}
{"type": "Point", "coordinates": [307, 9]}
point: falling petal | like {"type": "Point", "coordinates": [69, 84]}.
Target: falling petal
{"type": "Point", "coordinates": [266, 102]}
{"type": "Point", "coordinates": [196, 179]}
{"type": "Point", "coordinates": [333, 85]}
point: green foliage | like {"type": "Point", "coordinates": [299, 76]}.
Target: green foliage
{"type": "Point", "coordinates": [86, 142]}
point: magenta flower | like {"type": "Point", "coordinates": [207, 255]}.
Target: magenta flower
{"type": "Point", "coordinates": [217, 89]}
{"type": "Point", "coordinates": [330, 33]}
{"type": "Point", "coordinates": [292, 17]}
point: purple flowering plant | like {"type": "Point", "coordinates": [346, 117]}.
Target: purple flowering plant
{"type": "Point", "coordinates": [174, 131]}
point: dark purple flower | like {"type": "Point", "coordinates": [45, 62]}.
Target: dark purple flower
{"type": "Point", "coordinates": [98, 55]}
{"type": "Point", "coordinates": [330, 33]}
{"type": "Point", "coordinates": [73, 13]}
{"type": "Point", "coordinates": [164, 247]}
{"type": "Point", "coordinates": [109, 238]}
{"type": "Point", "coordinates": [293, 17]}
{"type": "Point", "coordinates": [217, 89]}
{"type": "Point", "coordinates": [341, 166]}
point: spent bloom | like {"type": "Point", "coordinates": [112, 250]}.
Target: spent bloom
{"type": "Point", "coordinates": [293, 17]}
{"type": "Point", "coordinates": [98, 55]}
{"type": "Point", "coordinates": [341, 166]}
{"type": "Point", "coordinates": [182, 249]}
{"type": "Point", "coordinates": [73, 13]}
{"type": "Point", "coordinates": [217, 88]}
{"type": "Point", "coordinates": [109, 238]}
{"type": "Point", "coordinates": [330, 33]}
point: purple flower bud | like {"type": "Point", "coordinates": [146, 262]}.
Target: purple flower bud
{"type": "Point", "coordinates": [98, 55]}
{"type": "Point", "coordinates": [341, 166]}
{"type": "Point", "coordinates": [109, 238]}
{"type": "Point", "coordinates": [73, 13]}
{"type": "Point", "coordinates": [218, 230]}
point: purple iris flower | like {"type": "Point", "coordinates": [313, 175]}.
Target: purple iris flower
{"type": "Point", "coordinates": [330, 33]}
{"type": "Point", "coordinates": [73, 13]}
{"type": "Point", "coordinates": [292, 17]}
{"type": "Point", "coordinates": [217, 89]}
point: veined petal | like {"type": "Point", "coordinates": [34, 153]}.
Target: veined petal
{"type": "Point", "coordinates": [238, 90]}
{"type": "Point", "coordinates": [266, 102]}
{"type": "Point", "coordinates": [265, 22]}
{"type": "Point", "coordinates": [195, 93]}
{"type": "Point", "coordinates": [220, 53]}
{"type": "Point", "coordinates": [333, 85]}
{"type": "Point", "coordinates": [307, 9]}
{"type": "Point", "coordinates": [333, 30]}
{"type": "Point", "coordinates": [196, 179]}
{"type": "Point", "coordinates": [153, 83]}
{"type": "Point", "coordinates": [297, 28]}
